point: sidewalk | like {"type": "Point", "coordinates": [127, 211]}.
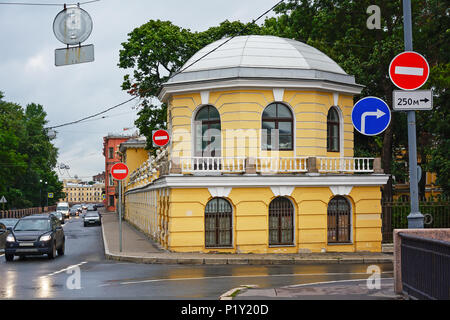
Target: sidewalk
{"type": "Point", "coordinates": [138, 248]}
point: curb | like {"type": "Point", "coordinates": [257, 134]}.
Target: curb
{"type": "Point", "coordinates": [161, 258]}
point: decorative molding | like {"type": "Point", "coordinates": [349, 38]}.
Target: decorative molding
{"type": "Point", "coordinates": [278, 94]}
{"type": "Point", "coordinates": [335, 98]}
{"type": "Point", "coordinates": [341, 190]}
{"type": "Point", "coordinates": [318, 180]}
{"type": "Point", "coordinates": [220, 192]}
{"type": "Point", "coordinates": [205, 96]}
{"type": "Point", "coordinates": [279, 191]}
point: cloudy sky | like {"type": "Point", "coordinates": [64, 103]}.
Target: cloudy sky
{"type": "Point", "coordinates": [28, 73]}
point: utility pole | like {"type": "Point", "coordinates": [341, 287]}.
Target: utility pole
{"type": "Point", "coordinates": [415, 218]}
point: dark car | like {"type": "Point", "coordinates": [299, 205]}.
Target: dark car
{"type": "Point", "coordinates": [36, 235]}
{"type": "Point", "coordinates": [99, 205]}
{"type": "Point", "coordinates": [78, 207]}
{"type": "Point", "coordinates": [3, 234]}
{"type": "Point", "coordinates": [9, 222]}
{"type": "Point", "coordinates": [92, 218]}
{"type": "Point", "coordinates": [73, 212]}
{"type": "Point", "coordinates": [91, 207]}
{"type": "Point", "coordinates": [59, 215]}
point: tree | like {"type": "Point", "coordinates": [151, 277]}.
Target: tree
{"type": "Point", "coordinates": [157, 50]}
{"type": "Point", "coordinates": [26, 156]}
{"type": "Point", "coordinates": [338, 28]}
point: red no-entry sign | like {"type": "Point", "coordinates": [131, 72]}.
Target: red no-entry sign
{"type": "Point", "coordinates": [119, 171]}
{"type": "Point", "coordinates": [409, 70]}
{"type": "Point", "coordinates": [160, 138]}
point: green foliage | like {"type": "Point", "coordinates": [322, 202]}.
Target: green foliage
{"type": "Point", "coordinates": [26, 156]}
{"type": "Point", "coordinates": [157, 50]}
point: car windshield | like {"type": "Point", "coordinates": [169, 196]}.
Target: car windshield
{"type": "Point", "coordinates": [62, 208]}
{"type": "Point", "coordinates": [9, 223]}
{"type": "Point", "coordinates": [57, 214]}
{"type": "Point", "coordinates": [33, 225]}
{"type": "Point", "coordinates": [93, 214]}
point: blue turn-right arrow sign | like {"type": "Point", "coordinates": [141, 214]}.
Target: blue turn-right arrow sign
{"type": "Point", "coordinates": [371, 116]}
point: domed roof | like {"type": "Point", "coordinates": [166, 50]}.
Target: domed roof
{"type": "Point", "coordinates": [259, 62]}
{"type": "Point", "coordinates": [258, 56]}
{"type": "Point", "coordinates": [261, 52]}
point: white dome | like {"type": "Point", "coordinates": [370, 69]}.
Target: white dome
{"type": "Point", "coordinates": [261, 52]}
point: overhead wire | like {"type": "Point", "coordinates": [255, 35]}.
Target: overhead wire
{"type": "Point", "coordinates": [173, 75]}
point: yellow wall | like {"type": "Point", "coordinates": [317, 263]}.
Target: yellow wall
{"type": "Point", "coordinates": [135, 157]}
{"type": "Point", "coordinates": [178, 221]}
{"type": "Point", "coordinates": [242, 110]}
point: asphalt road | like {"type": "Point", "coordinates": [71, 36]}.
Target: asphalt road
{"type": "Point", "coordinates": [83, 273]}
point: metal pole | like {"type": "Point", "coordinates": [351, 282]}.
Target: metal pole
{"type": "Point", "coordinates": [415, 218]}
{"type": "Point", "coordinates": [120, 215]}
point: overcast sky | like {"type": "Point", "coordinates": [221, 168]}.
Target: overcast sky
{"type": "Point", "coordinates": [28, 73]}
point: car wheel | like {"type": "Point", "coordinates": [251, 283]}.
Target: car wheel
{"type": "Point", "coordinates": [62, 249]}
{"type": "Point", "coordinates": [9, 257]}
{"type": "Point", "coordinates": [52, 254]}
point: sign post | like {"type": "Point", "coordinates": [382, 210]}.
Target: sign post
{"type": "Point", "coordinates": [160, 138]}
{"type": "Point", "coordinates": [415, 218]}
{"type": "Point", "coordinates": [119, 171]}
{"type": "Point", "coordinates": [3, 201]}
{"type": "Point", "coordinates": [371, 116]}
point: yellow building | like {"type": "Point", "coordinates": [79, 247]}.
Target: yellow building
{"type": "Point", "coordinates": [133, 154]}
{"type": "Point", "coordinates": [261, 156]}
{"type": "Point", "coordinates": [77, 192]}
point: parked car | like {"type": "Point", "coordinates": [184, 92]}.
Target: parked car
{"type": "Point", "coordinates": [36, 235]}
{"type": "Point", "coordinates": [92, 218]}
{"type": "Point", "coordinates": [9, 222]}
{"type": "Point", "coordinates": [3, 234]}
{"type": "Point", "coordinates": [59, 215]}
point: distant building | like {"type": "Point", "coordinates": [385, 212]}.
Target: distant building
{"type": "Point", "coordinates": [110, 151]}
{"type": "Point", "coordinates": [99, 177]}
{"type": "Point", "coordinates": [77, 192]}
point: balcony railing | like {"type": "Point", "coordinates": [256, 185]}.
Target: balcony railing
{"type": "Point", "coordinates": [212, 164]}
{"type": "Point", "coordinates": [162, 165]}
{"type": "Point", "coordinates": [280, 165]}
{"type": "Point", "coordinates": [351, 165]}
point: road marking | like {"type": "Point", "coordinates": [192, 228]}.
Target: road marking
{"type": "Point", "coordinates": [329, 282]}
{"type": "Point", "coordinates": [409, 71]}
{"type": "Point", "coordinates": [377, 113]}
{"type": "Point", "coordinates": [65, 269]}
{"type": "Point", "coordinates": [245, 276]}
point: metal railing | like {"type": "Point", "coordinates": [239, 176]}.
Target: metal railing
{"type": "Point", "coordinates": [212, 164]}
{"type": "Point", "coordinates": [351, 165]}
{"type": "Point", "coordinates": [282, 164]}
{"type": "Point", "coordinates": [395, 212]}
{"type": "Point", "coordinates": [19, 213]}
{"type": "Point", "coordinates": [425, 268]}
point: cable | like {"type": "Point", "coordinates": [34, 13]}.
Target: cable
{"type": "Point", "coordinates": [170, 77]}
{"type": "Point", "coordinates": [225, 42]}
{"type": "Point", "coordinates": [94, 115]}
{"type": "Point", "coordinates": [46, 4]}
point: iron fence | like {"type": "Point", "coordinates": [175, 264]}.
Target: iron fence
{"type": "Point", "coordinates": [395, 212]}
{"type": "Point", "coordinates": [425, 267]}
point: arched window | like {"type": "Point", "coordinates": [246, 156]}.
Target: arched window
{"type": "Point", "coordinates": [207, 132]}
{"type": "Point", "coordinates": [277, 116]}
{"type": "Point", "coordinates": [218, 223]}
{"type": "Point", "coordinates": [281, 222]}
{"type": "Point", "coordinates": [339, 220]}
{"type": "Point", "coordinates": [333, 130]}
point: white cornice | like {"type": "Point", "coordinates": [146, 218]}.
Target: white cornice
{"type": "Point", "coordinates": [265, 181]}
{"type": "Point", "coordinates": [241, 83]}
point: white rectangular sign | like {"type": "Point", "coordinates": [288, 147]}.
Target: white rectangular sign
{"type": "Point", "coordinates": [74, 55]}
{"type": "Point", "coordinates": [412, 100]}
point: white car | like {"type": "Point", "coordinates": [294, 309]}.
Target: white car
{"type": "Point", "coordinates": [63, 207]}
